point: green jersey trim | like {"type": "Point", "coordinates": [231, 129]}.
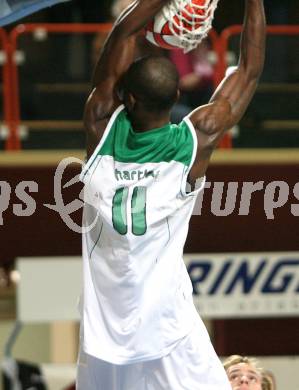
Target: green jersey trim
{"type": "Point", "coordinates": [168, 143]}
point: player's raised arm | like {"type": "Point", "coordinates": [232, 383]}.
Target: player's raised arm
{"type": "Point", "coordinates": [233, 95]}
{"type": "Point", "coordinates": [117, 55]}
{"type": "Point", "coordinates": [115, 58]}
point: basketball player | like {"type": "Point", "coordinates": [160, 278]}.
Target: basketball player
{"type": "Point", "coordinates": [139, 327]}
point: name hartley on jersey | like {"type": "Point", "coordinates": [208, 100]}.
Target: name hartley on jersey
{"type": "Point", "coordinates": [135, 174]}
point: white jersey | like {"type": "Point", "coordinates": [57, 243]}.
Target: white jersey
{"type": "Point", "coordinates": [137, 299]}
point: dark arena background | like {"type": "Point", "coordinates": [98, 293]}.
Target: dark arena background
{"type": "Point", "coordinates": [242, 251]}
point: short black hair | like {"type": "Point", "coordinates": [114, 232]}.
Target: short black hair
{"type": "Point", "coordinates": [153, 81]}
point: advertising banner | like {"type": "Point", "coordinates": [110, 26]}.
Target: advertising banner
{"type": "Point", "coordinates": [245, 284]}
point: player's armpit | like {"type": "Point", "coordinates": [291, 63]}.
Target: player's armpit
{"type": "Point", "coordinates": [102, 102]}
{"type": "Point", "coordinates": [210, 122]}
{"type": "Point", "coordinates": [99, 107]}
{"type": "Point", "coordinates": [94, 136]}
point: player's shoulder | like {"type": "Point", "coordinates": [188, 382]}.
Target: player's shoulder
{"type": "Point", "coordinates": [183, 131]}
{"type": "Point", "coordinates": [212, 117]}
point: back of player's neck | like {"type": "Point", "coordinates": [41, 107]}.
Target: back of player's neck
{"type": "Point", "coordinates": [148, 121]}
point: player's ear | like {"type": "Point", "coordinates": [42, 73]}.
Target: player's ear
{"type": "Point", "coordinates": [130, 101]}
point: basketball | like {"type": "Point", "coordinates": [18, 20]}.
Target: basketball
{"type": "Point", "coordinates": [178, 23]}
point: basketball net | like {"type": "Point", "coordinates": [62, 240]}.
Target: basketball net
{"type": "Point", "coordinates": [190, 27]}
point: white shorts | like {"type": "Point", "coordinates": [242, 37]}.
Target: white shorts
{"type": "Point", "coordinates": [191, 365]}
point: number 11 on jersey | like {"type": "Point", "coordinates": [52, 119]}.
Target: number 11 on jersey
{"type": "Point", "coordinates": [138, 210]}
